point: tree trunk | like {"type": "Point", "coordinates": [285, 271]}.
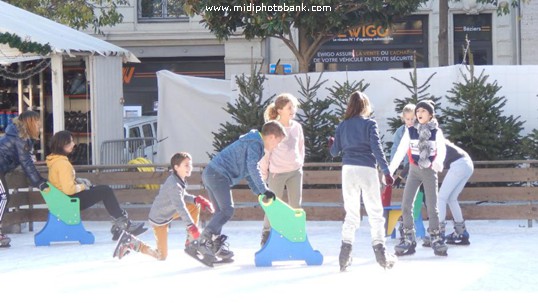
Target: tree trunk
{"type": "Point", "coordinates": [304, 45]}
{"type": "Point", "coordinates": [303, 64]}
{"type": "Point", "coordinates": [442, 50]}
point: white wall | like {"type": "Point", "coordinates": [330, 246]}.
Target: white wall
{"type": "Point", "coordinates": [197, 122]}
{"type": "Point", "coordinates": [106, 92]}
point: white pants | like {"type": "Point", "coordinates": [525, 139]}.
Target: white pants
{"type": "Point", "coordinates": [457, 176]}
{"type": "Point", "coordinates": [357, 182]}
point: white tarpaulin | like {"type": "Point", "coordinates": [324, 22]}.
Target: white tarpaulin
{"type": "Point", "coordinates": [190, 108]}
{"type": "Point", "coordinates": [519, 85]}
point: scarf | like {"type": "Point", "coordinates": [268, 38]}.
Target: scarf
{"type": "Point", "coordinates": [424, 134]}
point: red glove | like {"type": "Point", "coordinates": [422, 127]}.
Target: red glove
{"type": "Point", "coordinates": [204, 203]}
{"type": "Point", "coordinates": [388, 180]}
{"type": "Point", "coordinates": [193, 232]}
{"type": "Point", "coordinates": [330, 142]}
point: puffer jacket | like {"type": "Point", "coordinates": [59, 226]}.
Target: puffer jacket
{"type": "Point", "coordinates": [18, 149]}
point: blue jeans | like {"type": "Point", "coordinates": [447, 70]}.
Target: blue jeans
{"type": "Point", "coordinates": [218, 189]}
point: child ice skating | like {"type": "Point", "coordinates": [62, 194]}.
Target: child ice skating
{"type": "Point", "coordinates": [240, 160]}
{"type": "Point", "coordinates": [172, 202]}
{"type": "Point", "coordinates": [425, 144]}
{"type": "Point", "coordinates": [357, 138]}
{"type": "Point", "coordinates": [408, 118]}
{"type": "Point", "coordinates": [283, 167]}
{"type": "Point", "coordinates": [460, 169]}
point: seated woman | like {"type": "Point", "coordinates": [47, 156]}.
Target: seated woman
{"type": "Point", "coordinates": [62, 176]}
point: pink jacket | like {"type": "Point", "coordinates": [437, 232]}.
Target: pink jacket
{"type": "Point", "coordinates": [288, 155]}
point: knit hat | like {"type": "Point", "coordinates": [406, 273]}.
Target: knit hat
{"type": "Point", "coordinates": [427, 105]}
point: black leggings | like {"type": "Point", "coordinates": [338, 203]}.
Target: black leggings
{"type": "Point", "coordinates": [4, 196]}
{"type": "Point", "coordinates": [99, 193]}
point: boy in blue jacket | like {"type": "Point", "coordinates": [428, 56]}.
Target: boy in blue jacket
{"type": "Point", "coordinates": [237, 161]}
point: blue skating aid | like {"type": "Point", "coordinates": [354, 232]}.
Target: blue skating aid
{"type": "Point", "coordinates": [63, 222]}
{"type": "Point", "coordinates": [55, 230]}
{"type": "Point", "coordinates": [287, 240]}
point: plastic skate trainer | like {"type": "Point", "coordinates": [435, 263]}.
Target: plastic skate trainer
{"type": "Point", "coordinates": [63, 222]}
{"type": "Point", "coordinates": [287, 240]}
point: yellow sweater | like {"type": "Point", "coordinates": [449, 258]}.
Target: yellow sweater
{"type": "Point", "coordinates": [62, 174]}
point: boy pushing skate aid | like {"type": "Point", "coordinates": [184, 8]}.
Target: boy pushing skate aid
{"type": "Point", "coordinates": [287, 239]}
{"type": "Point", "coordinates": [237, 161]}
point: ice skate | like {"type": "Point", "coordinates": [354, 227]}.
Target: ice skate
{"type": "Point", "coordinates": [201, 251]}
{"type": "Point", "coordinates": [438, 244]}
{"type": "Point", "coordinates": [407, 243]}
{"type": "Point", "coordinates": [385, 259]}
{"type": "Point", "coordinates": [123, 223]}
{"type": "Point", "coordinates": [126, 244]}
{"type": "Point", "coordinates": [221, 251]}
{"type": "Point", "coordinates": [4, 241]}
{"type": "Point", "coordinates": [345, 258]}
{"type": "Point", "coordinates": [460, 236]}
{"type": "Point", "coordinates": [427, 242]}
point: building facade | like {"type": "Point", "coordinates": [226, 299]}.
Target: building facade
{"type": "Point", "coordinates": [163, 37]}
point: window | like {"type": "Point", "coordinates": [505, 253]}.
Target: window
{"type": "Point", "coordinates": [134, 132]}
{"type": "Point", "coordinates": [160, 10]}
{"type": "Point", "coordinates": [476, 28]}
{"type": "Point", "coordinates": [148, 133]}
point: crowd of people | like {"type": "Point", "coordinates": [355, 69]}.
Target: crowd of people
{"type": "Point", "coordinates": [271, 160]}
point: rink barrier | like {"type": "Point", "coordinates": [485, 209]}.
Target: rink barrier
{"type": "Point", "coordinates": [497, 190]}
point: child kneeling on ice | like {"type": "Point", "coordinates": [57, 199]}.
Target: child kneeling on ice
{"type": "Point", "coordinates": [172, 202]}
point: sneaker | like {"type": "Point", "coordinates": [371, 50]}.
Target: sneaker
{"type": "Point", "coordinates": [345, 258]}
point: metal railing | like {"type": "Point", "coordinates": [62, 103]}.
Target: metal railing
{"type": "Point", "coordinates": [122, 151]}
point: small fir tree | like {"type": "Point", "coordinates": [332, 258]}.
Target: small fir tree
{"type": "Point", "coordinates": [340, 93]}
{"type": "Point", "coordinates": [317, 120]}
{"type": "Point", "coordinates": [474, 119]}
{"type": "Point", "coordinates": [530, 145]}
{"type": "Point", "coordinates": [418, 93]}
{"type": "Point", "coordinates": [247, 111]}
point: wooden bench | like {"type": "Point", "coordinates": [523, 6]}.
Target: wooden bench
{"type": "Point", "coordinates": [497, 190]}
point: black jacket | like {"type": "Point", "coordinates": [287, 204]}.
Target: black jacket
{"type": "Point", "coordinates": [16, 150]}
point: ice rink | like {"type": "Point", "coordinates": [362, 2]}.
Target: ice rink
{"type": "Point", "coordinates": [500, 265]}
